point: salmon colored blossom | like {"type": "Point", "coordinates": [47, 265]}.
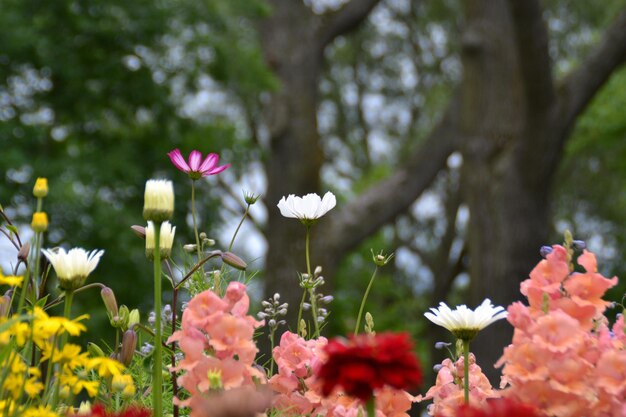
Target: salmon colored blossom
{"type": "Point", "coordinates": [216, 337]}
{"type": "Point", "coordinates": [447, 393]}
{"type": "Point", "coordinates": [564, 359]}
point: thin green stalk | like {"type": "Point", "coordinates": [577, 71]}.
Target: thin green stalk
{"type": "Point", "coordinates": [193, 216]}
{"type": "Point", "coordinates": [370, 406]}
{"type": "Point", "coordinates": [67, 313]}
{"type": "Point", "coordinates": [157, 383]}
{"type": "Point", "coordinates": [38, 244]}
{"type": "Point", "coordinates": [300, 311]}
{"type": "Point", "coordinates": [232, 240]}
{"type": "Point", "coordinates": [367, 292]}
{"type": "Point", "coordinates": [466, 345]}
{"type": "Point", "coordinates": [311, 290]}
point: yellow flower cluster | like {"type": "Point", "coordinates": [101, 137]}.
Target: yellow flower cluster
{"type": "Point", "coordinates": [24, 391]}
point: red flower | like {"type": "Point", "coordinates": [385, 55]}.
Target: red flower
{"type": "Point", "coordinates": [501, 407]}
{"type": "Point", "coordinates": [98, 410]}
{"type": "Point", "coordinates": [364, 363]}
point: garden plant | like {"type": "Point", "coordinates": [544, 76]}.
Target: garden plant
{"type": "Point", "coordinates": [196, 354]}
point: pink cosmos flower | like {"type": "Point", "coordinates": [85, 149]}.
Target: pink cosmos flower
{"type": "Point", "coordinates": [197, 168]}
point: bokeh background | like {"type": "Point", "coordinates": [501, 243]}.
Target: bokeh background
{"type": "Point", "coordinates": [461, 135]}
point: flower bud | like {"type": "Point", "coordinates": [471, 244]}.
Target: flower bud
{"type": "Point", "coordinates": [579, 244]}
{"type": "Point", "coordinates": [250, 198]}
{"type": "Point", "coordinates": [208, 242]}
{"type": "Point", "coordinates": [166, 240]}
{"type": "Point", "coordinates": [380, 259]}
{"type": "Point", "coordinates": [121, 319]}
{"type": "Point", "coordinates": [22, 254]}
{"type": "Point", "coordinates": [108, 297]}
{"type": "Point", "coordinates": [95, 350]}
{"type": "Point", "coordinates": [40, 222]}
{"type": "Point", "coordinates": [129, 344]}
{"type": "Point", "coordinates": [318, 271]}
{"type": "Point", "coordinates": [40, 190]}
{"type": "Point", "coordinates": [202, 236]}
{"type": "Point", "coordinates": [133, 317]}
{"type": "Point", "coordinates": [139, 231]}
{"type": "Point", "coordinates": [158, 200]}
{"type": "Point", "coordinates": [545, 251]}
{"type": "Point", "coordinates": [190, 248]}
{"type": "Point", "coordinates": [5, 305]}
{"type": "Point", "coordinates": [233, 260]}
{"type": "Point", "coordinates": [442, 345]}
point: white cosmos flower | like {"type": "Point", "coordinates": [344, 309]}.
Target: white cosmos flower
{"type": "Point", "coordinates": [463, 322]}
{"type": "Point", "coordinates": [158, 199]}
{"type": "Point", "coordinates": [73, 267]}
{"type": "Point", "coordinates": [309, 207]}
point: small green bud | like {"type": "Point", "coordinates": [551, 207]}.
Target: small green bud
{"type": "Point", "coordinates": [108, 297]}
{"type": "Point", "coordinates": [233, 260]}
{"type": "Point", "coordinates": [133, 317]}
{"type": "Point", "coordinates": [250, 198]}
{"type": "Point", "coordinates": [95, 350]}
{"type": "Point", "coordinates": [380, 259]}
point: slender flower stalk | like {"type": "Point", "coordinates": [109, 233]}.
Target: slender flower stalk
{"type": "Point", "coordinates": [312, 296]}
{"type": "Point", "coordinates": [367, 291]}
{"type": "Point", "coordinates": [466, 346]}
{"type": "Point", "coordinates": [193, 216]}
{"type": "Point", "coordinates": [157, 383]}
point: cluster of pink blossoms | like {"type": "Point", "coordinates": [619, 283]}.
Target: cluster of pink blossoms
{"type": "Point", "coordinates": [299, 392]}
{"type": "Point", "coordinates": [447, 393]}
{"type": "Point", "coordinates": [216, 338]}
{"type": "Point", "coordinates": [564, 359]}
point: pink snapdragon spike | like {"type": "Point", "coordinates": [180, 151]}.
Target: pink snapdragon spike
{"type": "Point", "coordinates": [196, 167]}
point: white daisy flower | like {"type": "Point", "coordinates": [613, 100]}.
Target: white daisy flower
{"type": "Point", "coordinates": [308, 208]}
{"type": "Point", "coordinates": [463, 322]}
{"type": "Point", "coordinates": [73, 267]}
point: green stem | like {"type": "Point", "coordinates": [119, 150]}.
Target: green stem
{"type": "Point", "coordinates": [466, 346]}
{"type": "Point", "coordinates": [157, 384]}
{"type": "Point", "coordinates": [193, 216]}
{"type": "Point", "coordinates": [38, 244]}
{"type": "Point", "coordinates": [370, 406]}
{"type": "Point", "coordinates": [67, 312]}
{"type": "Point", "coordinates": [232, 240]}
{"type": "Point", "coordinates": [300, 311]}
{"type": "Point", "coordinates": [311, 290]}
{"type": "Point", "coordinates": [367, 292]}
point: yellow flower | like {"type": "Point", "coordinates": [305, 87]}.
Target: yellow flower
{"type": "Point", "coordinates": [11, 280]}
{"type": "Point", "coordinates": [33, 387]}
{"type": "Point", "coordinates": [13, 385]}
{"type": "Point", "coordinates": [40, 190]}
{"type": "Point", "coordinates": [39, 411]}
{"type": "Point", "coordinates": [39, 222]}
{"type": "Point", "coordinates": [124, 384]}
{"type": "Point", "coordinates": [105, 367]}
{"type": "Point", "coordinates": [59, 325]}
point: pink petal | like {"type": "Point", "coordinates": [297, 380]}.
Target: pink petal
{"type": "Point", "coordinates": [178, 160]}
{"type": "Point", "coordinates": [194, 160]}
{"type": "Point", "coordinates": [216, 170]}
{"type": "Point", "coordinates": [209, 162]}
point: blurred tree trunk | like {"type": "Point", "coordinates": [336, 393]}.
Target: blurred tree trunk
{"type": "Point", "coordinates": [293, 40]}
{"type": "Point", "coordinates": [510, 120]}
{"type": "Point", "coordinates": [515, 122]}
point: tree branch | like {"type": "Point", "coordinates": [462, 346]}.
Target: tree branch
{"type": "Point", "coordinates": [531, 37]}
{"type": "Point", "coordinates": [579, 87]}
{"type": "Point", "coordinates": [385, 200]}
{"type": "Point", "coordinates": [345, 19]}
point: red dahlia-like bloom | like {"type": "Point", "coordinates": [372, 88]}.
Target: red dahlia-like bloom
{"type": "Point", "coordinates": [501, 407]}
{"type": "Point", "coordinates": [98, 410]}
{"type": "Point", "coordinates": [197, 168]}
{"type": "Point", "coordinates": [364, 363]}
